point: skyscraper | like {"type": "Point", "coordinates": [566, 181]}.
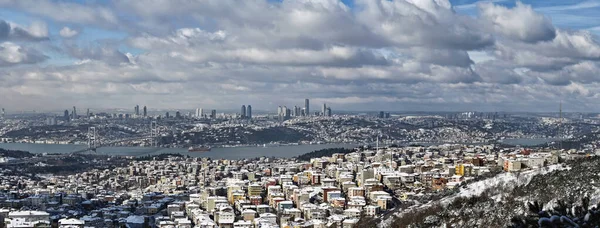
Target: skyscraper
{"type": "Point", "coordinates": [306, 107]}
{"type": "Point", "coordinates": [145, 111]}
{"type": "Point", "coordinates": [213, 114]}
{"type": "Point", "coordinates": [137, 110]}
{"type": "Point", "coordinates": [324, 111]}
{"type": "Point", "coordinates": [249, 112]}
{"type": "Point", "coordinates": [288, 113]}
{"type": "Point", "coordinates": [328, 111]}
{"type": "Point", "coordinates": [243, 112]}
{"type": "Point", "coordinates": [87, 114]}
{"type": "Point", "coordinates": [74, 114]}
{"type": "Point", "coordinates": [66, 115]}
{"type": "Point", "coordinates": [4, 113]}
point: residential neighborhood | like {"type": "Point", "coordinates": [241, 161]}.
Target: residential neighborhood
{"type": "Point", "coordinates": [339, 190]}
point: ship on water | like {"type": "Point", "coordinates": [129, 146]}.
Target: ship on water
{"type": "Point", "coordinates": [199, 149]}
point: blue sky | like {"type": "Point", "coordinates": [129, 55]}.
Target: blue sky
{"type": "Point", "coordinates": [400, 55]}
{"type": "Point", "coordinates": [566, 14]}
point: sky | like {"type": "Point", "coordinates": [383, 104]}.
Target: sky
{"type": "Point", "coordinates": [391, 55]}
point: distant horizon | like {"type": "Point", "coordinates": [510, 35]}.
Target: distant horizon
{"type": "Point", "coordinates": [82, 112]}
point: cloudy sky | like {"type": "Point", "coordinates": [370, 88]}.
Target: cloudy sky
{"type": "Point", "coordinates": [395, 55]}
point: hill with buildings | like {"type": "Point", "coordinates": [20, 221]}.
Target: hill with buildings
{"type": "Point", "coordinates": [324, 153]}
{"type": "Point", "coordinates": [517, 200]}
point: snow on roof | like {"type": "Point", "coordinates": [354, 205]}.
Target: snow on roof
{"type": "Point", "coordinates": [71, 221]}
{"type": "Point", "coordinates": [135, 219]}
{"type": "Point", "coordinates": [28, 213]}
{"type": "Point", "coordinates": [267, 215]}
{"type": "Point", "coordinates": [242, 222]}
{"type": "Point", "coordinates": [292, 210]}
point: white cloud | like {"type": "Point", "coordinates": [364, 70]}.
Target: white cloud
{"type": "Point", "coordinates": [411, 54]}
{"type": "Point", "coordinates": [37, 31]}
{"type": "Point", "coordinates": [13, 54]}
{"type": "Point", "coordinates": [67, 32]}
{"type": "Point", "coordinates": [520, 23]}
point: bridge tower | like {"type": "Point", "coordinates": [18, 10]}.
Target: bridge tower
{"type": "Point", "coordinates": [153, 134]}
{"type": "Point", "coordinates": [92, 144]}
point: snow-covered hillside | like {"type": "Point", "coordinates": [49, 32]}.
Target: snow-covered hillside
{"type": "Point", "coordinates": [495, 201]}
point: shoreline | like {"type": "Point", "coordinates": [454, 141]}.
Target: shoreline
{"type": "Point", "coordinates": [266, 145]}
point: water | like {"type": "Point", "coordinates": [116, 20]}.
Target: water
{"type": "Point", "coordinates": [528, 141]}
{"type": "Point", "coordinates": [215, 153]}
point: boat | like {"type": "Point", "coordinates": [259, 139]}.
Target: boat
{"type": "Point", "coordinates": [199, 149]}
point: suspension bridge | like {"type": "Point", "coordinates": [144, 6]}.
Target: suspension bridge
{"type": "Point", "coordinates": [93, 144]}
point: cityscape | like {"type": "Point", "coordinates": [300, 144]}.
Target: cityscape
{"type": "Point", "coordinates": [299, 113]}
{"type": "Point", "coordinates": [283, 113]}
{"type": "Point", "coordinates": [370, 168]}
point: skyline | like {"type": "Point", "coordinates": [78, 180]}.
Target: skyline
{"type": "Point", "coordinates": [355, 55]}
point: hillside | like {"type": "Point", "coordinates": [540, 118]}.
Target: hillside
{"type": "Point", "coordinates": [15, 153]}
{"type": "Point", "coordinates": [324, 152]}
{"type": "Point", "coordinates": [503, 200]}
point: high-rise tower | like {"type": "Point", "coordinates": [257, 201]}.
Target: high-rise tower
{"type": "Point", "coordinates": [306, 107]}
{"type": "Point", "coordinates": [145, 111]}
{"type": "Point", "coordinates": [243, 112]}
{"type": "Point", "coordinates": [74, 114]}
{"type": "Point", "coordinates": [249, 112]}
{"type": "Point", "coordinates": [66, 115]}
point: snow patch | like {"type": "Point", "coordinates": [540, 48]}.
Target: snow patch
{"type": "Point", "coordinates": [507, 181]}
